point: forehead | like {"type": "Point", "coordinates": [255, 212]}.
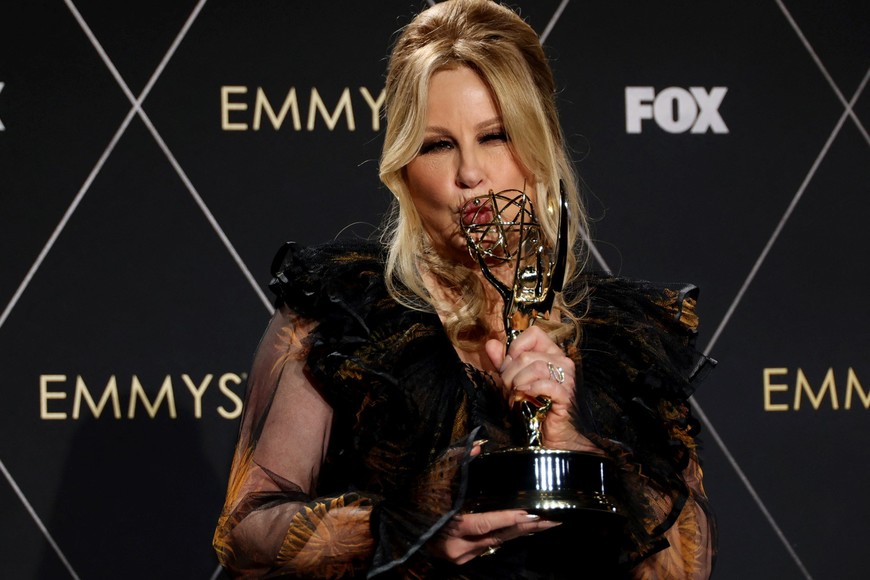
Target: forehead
{"type": "Point", "coordinates": [459, 94]}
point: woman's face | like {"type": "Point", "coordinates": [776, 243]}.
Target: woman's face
{"type": "Point", "coordinates": [465, 153]}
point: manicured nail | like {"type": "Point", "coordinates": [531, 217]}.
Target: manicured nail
{"type": "Point", "coordinates": [504, 364]}
{"type": "Point", "coordinates": [532, 517]}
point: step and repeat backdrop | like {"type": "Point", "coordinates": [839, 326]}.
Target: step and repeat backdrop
{"type": "Point", "coordinates": [154, 154]}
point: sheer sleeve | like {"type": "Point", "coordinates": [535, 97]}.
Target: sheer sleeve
{"type": "Point", "coordinates": [691, 539]}
{"type": "Point", "coordinates": [271, 523]}
{"type": "Point", "coordinates": [355, 432]}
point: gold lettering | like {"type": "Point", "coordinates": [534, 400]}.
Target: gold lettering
{"type": "Point", "coordinates": [317, 104]}
{"type": "Point", "coordinates": [45, 395]}
{"type": "Point", "coordinates": [771, 387]}
{"type": "Point", "coordinates": [803, 385]}
{"type": "Point", "coordinates": [227, 106]}
{"type": "Point", "coordinates": [375, 106]}
{"type": "Point", "coordinates": [222, 384]}
{"type": "Point", "coordinates": [852, 385]}
{"type": "Point", "coordinates": [137, 392]}
{"type": "Point", "coordinates": [261, 103]}
{"type": "Point", "coordinates": [197, 392]}
{"type": "Point", "coordinates": [110, 392]}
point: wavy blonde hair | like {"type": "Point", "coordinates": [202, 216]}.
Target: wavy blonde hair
{"type": "Point", "coordinates": [505, 51]}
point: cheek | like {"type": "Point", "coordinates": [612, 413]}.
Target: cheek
{"type": "Point", "coordinates": [509, 166]}
{"type": "Point", "coordinates": [426, 173]}
{"type": "Point", "coordinates": [427, 184]}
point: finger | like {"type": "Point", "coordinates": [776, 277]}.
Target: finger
{"type": "Point", "coordinates": [496, 352]}
{"type": "Point", "coordinates": [559, 395]}
{"type": "Point", "coordinates": [485, 523]}
{"type": "Point", "coordinates": [533, 339]}
{"type": "Point", "coordinates": [526, 528]}
{"type": "Point", "coordinates": [534, 366]}
{"type": "Point", "coordinates": [464, 549]}
{"type": "Point", "coordinates": [537, 367]}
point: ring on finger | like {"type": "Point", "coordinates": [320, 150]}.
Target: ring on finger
{"type": "Point", "coordinates": [494, 548]}
{"type": "Point", "coordinates": [556, 373]}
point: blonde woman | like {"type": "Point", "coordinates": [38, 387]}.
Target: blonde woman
{"type": "Point", "coordinates": [384, 368]}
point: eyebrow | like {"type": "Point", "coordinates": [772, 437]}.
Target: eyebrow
{"type": "Point", "coordinates": [478, 127]}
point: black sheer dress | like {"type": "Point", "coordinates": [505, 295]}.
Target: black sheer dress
{"type": "Point", "coordinates": [360, 417]}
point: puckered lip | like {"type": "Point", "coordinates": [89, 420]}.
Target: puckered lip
{"type": "Point", "coordinates": [482, 213]}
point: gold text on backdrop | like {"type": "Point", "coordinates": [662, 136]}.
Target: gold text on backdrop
{"type": "Point", "coordinates": [54, 399]}
{"type": "Point", "coordinates": [235, 102]}
{"type": "Point", "coordinates": [826, 395]}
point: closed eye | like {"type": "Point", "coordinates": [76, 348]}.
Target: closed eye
{"type": "Point", "coordinates": [435, 145]}
{"type": "Point", "coordinates": [495, 136]}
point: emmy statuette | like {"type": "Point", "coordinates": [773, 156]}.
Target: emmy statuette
{"type": "Point", "coordinates": [501, 228]}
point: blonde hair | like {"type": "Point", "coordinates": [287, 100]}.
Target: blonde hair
{"type": "Point", "coordinates": [505, 51]}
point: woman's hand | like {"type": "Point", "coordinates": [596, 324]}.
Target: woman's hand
{"type": "Point", "coordinates": [535, 366]}
{"type": "Point", "coordinates": [468, 536]}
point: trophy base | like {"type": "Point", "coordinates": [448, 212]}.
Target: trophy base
{"type": "Point", "coordinates": [555, 484]}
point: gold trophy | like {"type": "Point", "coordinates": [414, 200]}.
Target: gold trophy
{"type": "Point", "coordinates": [501, 228]}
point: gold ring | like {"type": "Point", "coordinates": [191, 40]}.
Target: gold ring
{"type": "Point", "coordinates": [556, 373]}
{"type": "Point", "coordinates": [490, 551]}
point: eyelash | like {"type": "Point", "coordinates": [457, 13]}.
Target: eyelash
{"type": "Point", "coordinates": [439, 145]}
{"type": "Point", "coordinates": [443, 144]}
{"type": "Point", "coordinates": [495, 136]}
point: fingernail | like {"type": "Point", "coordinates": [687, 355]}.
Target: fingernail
{"type": "Point", "coordinates": [532, 517]}
{"type": "Point", "coordinates": [507, 359]}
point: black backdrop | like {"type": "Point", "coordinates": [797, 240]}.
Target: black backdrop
{"type": "Point", "coordinates": [144, 187]}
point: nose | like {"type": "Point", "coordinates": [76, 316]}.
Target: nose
{"type": "Point", "coordinates": [470, 173]}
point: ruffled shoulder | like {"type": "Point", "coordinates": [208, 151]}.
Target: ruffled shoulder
{"type": "Point", "coordinates": [352, 349]}
{"type": "Point", "coordinates": [639, 368]}
{"type": "Point", "coordinates": [312, 280]}
{"type": "Point", "coordinates": [652, 331]}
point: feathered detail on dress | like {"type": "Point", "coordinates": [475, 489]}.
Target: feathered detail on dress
{"type": "Point", "coordinates": [406, 410]}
